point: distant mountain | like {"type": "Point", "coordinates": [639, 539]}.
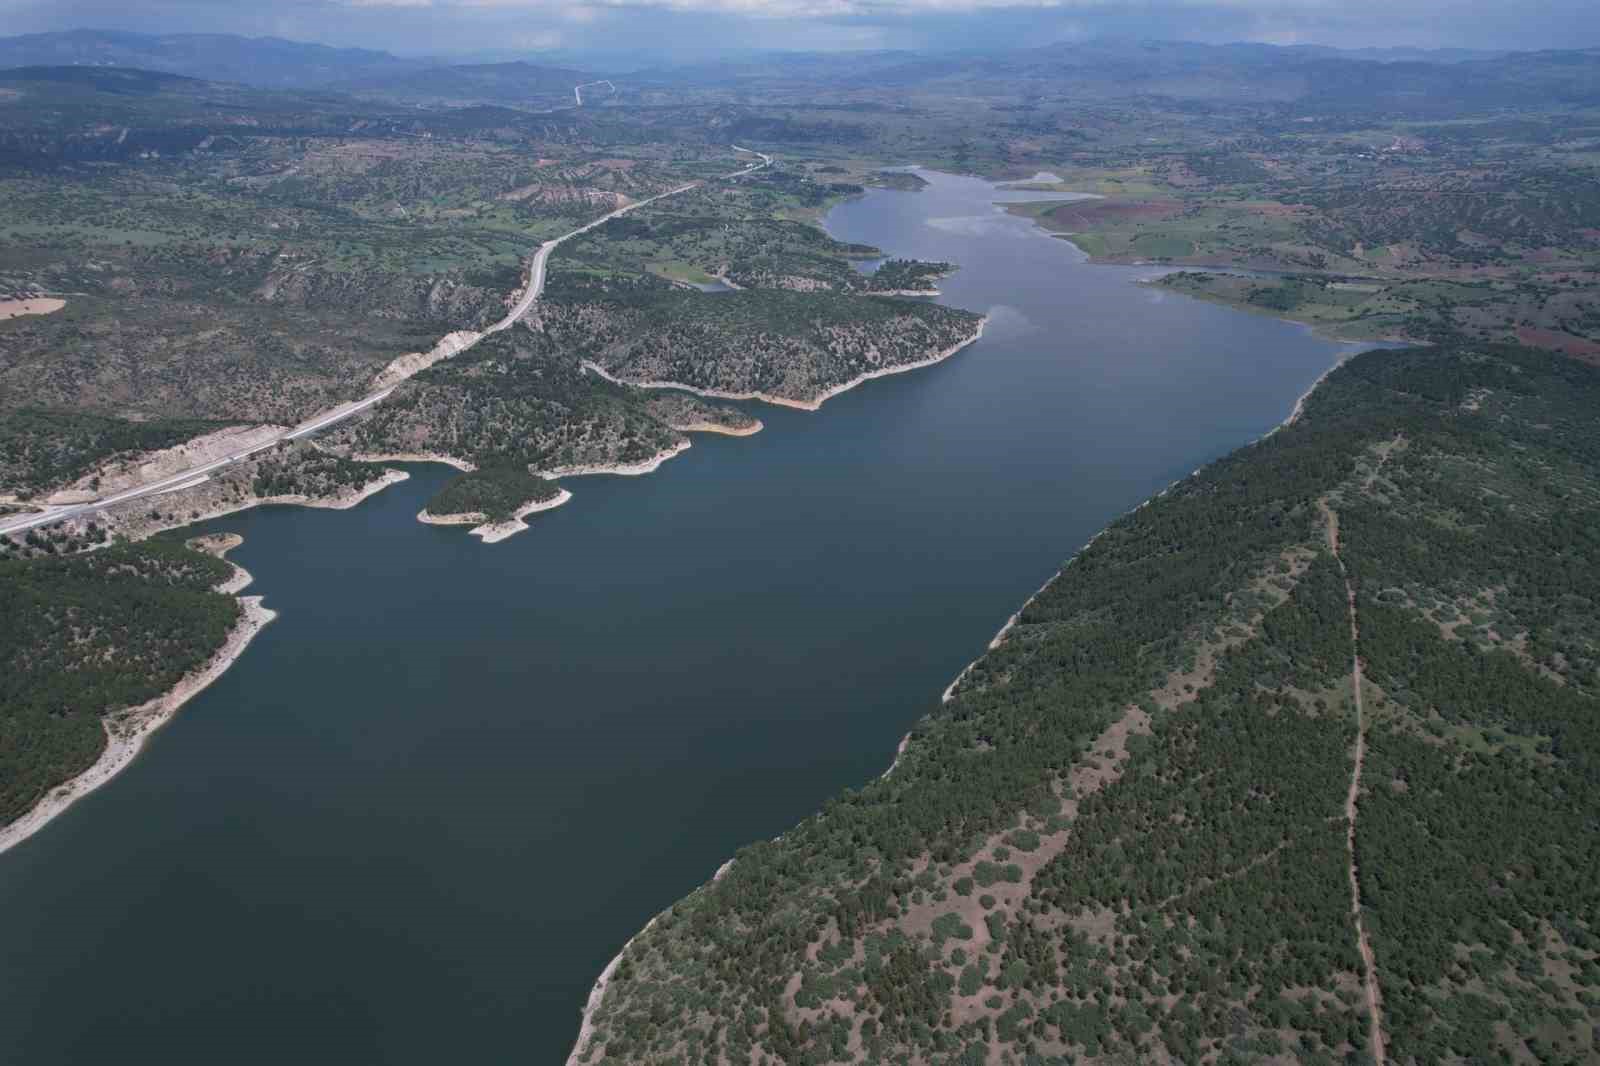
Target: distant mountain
{"type": "Point", "coordinates": [516, 84]}
{"type": "Point", "coordinates": [1306, 80]}
{"type": "Point", "coordinates": [268, 62]}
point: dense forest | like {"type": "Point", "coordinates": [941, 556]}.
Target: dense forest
{"type": "Point", "coordinates": [89, 634]}
{"type": "Point", "coordinates": [495, 492]}
{"type": "Point", "coordinates": [1124, 835]}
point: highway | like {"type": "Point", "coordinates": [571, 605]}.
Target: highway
{"type": "Point", "coordinates": [196, 474]}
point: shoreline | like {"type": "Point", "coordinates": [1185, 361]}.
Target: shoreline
{"type": "Point", "coordinates": [1318, 330]}
{"type": "Point", "coordinates": [328, 503]}
{"type": "Point", "coordinates": [413, 457]}
{"type": "Point", "coordinates": [726, 431]}
{"type": "Point", "coordinates": [128, 730]}
{"type": "Point", "coordinates": [900, 750]}
{"type": "Point", "coordinates": [1299, 408]}
{"type": "Point", "coordinates": [1294, 415]}
{"type": "Point", "coordinates": [333, 503]}
{"type": "Point", "coordinates": [495, 532]}
{"type": "Point", "coordinates": [643, 466]}
{"type": "Point", "coordinates": [597, 994]}
{"type": "Point", "coordinates": [784, 401]}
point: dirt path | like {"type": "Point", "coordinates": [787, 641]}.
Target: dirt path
{"type": "Point", "coordinates": [1368, 960]}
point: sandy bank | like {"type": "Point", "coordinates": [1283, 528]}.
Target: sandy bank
{"type": "Point", "coordinates": [905, 742]}
{"type": "Point", "coordinates": [131, 516]}
{"type": "Point", "coordinates": [906, 292]}
{"type": "Point", "coordinates": [220, 544]}
{"type": "Point", "coordinates": [644, 466]}
{"type": "Point", "coordinates": [464, 518]}
{"type": "Point", "coordinates": [1300, 404]}
{"type": "Point", "coordinates": [727, 431]}
{"type": "Point", "coordinates": [414, 457]}
{"type": "Point", "coordinates": [495, 532]}
{"type": "Point", "coordinates": [345, 500]}
{"type": "Point", "coordinates": [784, 401]}
{"type": "Point", "coordinates": [128, 730]}
{"type": "Point", "coordinates": [36, 305]}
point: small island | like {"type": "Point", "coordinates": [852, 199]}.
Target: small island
{"type": "Point", "coordinates": [494, 500]}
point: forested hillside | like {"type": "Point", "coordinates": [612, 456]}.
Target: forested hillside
{"type": "Point", "coordinates": [1133, 831]}
{"type": "Point", "coordinates": [795, 346]}
{"type": "Point", "coordinates": [494, 493]}
{"type": "Point", "coordinates": [514, 400]}
{"type": "Point", "coordinates": [89, 634]}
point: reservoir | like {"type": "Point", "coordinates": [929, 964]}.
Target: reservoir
{"type": "Point", "coordinates": [435, 797]}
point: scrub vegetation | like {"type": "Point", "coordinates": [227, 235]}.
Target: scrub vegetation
{"type": "Point", "coordinates": [235, 255]}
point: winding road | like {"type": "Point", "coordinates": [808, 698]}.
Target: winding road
{"type": "Point", "coordinates": [577, 90]}
{"type": "Point", "coordinates": [196, 474]}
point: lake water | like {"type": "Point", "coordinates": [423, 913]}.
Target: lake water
{"type": "Point", "coordinates": [433, 799]}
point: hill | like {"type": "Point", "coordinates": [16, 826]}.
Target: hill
{"type": "Point", "coordinates": [1324, 80]}
{"type": "Point", "coordinates": [85, 636]}
{"type": "Point", "coordinates": [268, 62]}
{"type": "Point", "coordinates": [516, 84]}
{"type": "Point", "coordinates": [1135, 829]}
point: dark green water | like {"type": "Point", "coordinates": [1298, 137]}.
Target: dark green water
{"type": "Point", "coordinates": [434, 798]}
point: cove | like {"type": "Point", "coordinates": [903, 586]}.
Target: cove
{"type": "Point", "coordinates": [434, 798]}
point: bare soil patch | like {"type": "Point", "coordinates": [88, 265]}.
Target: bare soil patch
{"type": "Point", "coordinates": [36, 305]}
{"type": "Point", "coordinates": [1566, 343]}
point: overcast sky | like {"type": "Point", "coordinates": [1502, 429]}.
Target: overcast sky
{"type": "Point", "coordinates": [693, 28]}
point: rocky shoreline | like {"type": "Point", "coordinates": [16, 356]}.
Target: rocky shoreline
{"type": "Point", "coordinates": [786, 401]}
{"type": "Point", "coordinates": [128, 730]}
{"type": "Point", "coordinates": [643, 466]}
{"type": "Point", "coordinates": [495, 532]}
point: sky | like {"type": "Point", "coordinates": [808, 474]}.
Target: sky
{"type": "Point", "coordinates": [692, 29]}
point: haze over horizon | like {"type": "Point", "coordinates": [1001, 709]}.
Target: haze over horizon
{"type": "Point", "coordinates": [690, 30]}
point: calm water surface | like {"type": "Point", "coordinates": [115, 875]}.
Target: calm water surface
{"type": "Point", "coordinates": [435, 797]}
